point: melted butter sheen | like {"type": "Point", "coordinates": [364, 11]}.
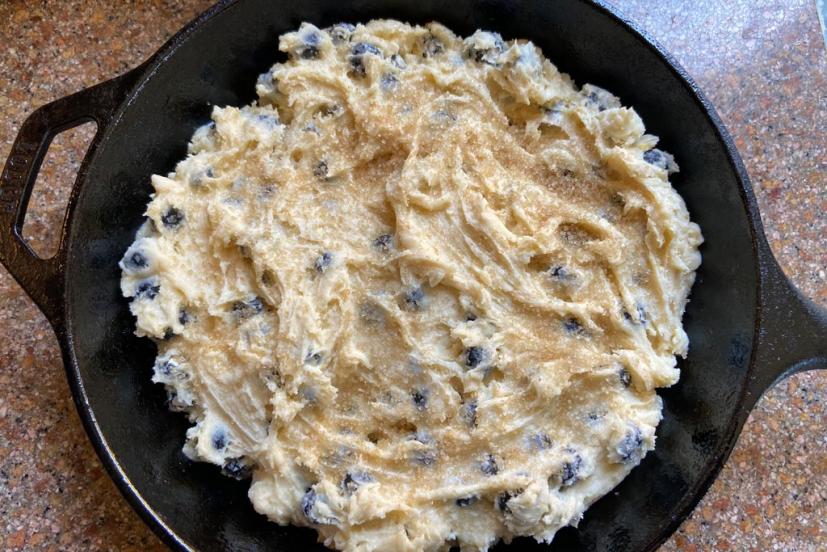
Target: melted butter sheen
{"type": "Point", "coordinates": [424, 289]}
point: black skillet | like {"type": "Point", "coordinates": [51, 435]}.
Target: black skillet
{"type": "Point", "coordinates": [748, 326]}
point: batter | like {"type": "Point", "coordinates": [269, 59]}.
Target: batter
{"type": "Point", "coordinates": [422, 291]}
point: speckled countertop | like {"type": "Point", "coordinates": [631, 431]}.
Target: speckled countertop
{"type": "Point", "coordinates": [761, 62]}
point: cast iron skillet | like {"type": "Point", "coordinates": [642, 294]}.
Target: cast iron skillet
{"type": "Point", "coordinates": [747, 324]}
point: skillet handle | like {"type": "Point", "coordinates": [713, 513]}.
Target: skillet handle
{"type": "Point", "coordinates": [792, 335]}
{"type": "Point", "coordinates": [42, 279]}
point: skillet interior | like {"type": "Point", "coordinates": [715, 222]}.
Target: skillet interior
{"type": "Point", "coordinates": [217, 63]}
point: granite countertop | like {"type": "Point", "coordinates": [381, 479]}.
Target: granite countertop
{"type": "Point", "coordinates": [761, 62]}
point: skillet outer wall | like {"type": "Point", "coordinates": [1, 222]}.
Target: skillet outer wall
{"type": "Point", "coordinates": [205, 64]}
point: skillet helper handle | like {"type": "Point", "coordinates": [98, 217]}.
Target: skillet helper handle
{"type": "Point", "coordinates": [793, 332]}
{"type": "Point", "coordinates": [42, 279]}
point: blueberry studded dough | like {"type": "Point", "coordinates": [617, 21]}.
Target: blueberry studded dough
{"type": "Point", "coordinates": [421, 293]}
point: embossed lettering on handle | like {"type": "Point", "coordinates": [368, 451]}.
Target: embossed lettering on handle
{"type": "Point", "coordinates": [12, 180]}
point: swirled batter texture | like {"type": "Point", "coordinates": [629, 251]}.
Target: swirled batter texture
{"type": "Point", "coordinates": [423, 290]}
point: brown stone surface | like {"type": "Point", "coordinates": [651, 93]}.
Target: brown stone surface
{"type": "Point", "coordinates": [761, 62]}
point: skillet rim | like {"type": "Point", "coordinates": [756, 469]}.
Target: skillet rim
{"type": "Point", "coordinates": [761, 255]}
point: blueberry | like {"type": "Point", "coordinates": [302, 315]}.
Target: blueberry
{"type": "Point", "coordinates": [148, 289]}
{"type": "Point", "coordinates": [398, 62]}
{"type": "Point", "coordinates": [267, 120]}
{"type": "Point", "coordinates": [425, 457]}
{"type": "Point", "coordinates": [363, 48]}
{"type": "Point", "coordinates": [488, 466]}
{"type": "Point", "coordinates": [371, 313]}
{"type": "Point", "coordinates": [573, 326]}
{"type": "Point", "coordinates": [358, 65]}
{"type": "Point", "coordinates": [340, 32]}
{"type": "Point", "coordinates": [553, 115]}
{"type": "Point", "coordinates": [625, 377]}
{"type": "Point", "coordinates": [272, 377]}
{"type": "Point", "coordinates": [629, 448]}
{"type": "Point", "coordinates": [389, 82]}
{"type": "Point", "coordinates": [166, 367]}
{"type": "Point", "coordinates": [599, 100]}
{"type": "Point", "coordinates": [353, 480]}
{"type": "Point", "coordinates": [570, 472]}
{"type": "Point", "coordinates": [357, 54]}
{"type": "Point", "coordinates": [236, 468]}
{"type": "Point", "coordinates": [656, 157]}
{"type": "Point", "coordinates": [313, 358]}
{"type": "Point", "coordinates": [331, 110]}
{"type": "Point", "coordinates": [415, 298]}
{"type": "Point", "coordinates": [487, 52]}
{"type": "Point", "coordinates": [469, 413]}
{"type": "Point", "coordinates": [320, 170]}
{"type": "Point", "coordinates": [502, 501]}
{"type": "Point", "coordinates": [474, 356]}
{"type": "Point", "coordinates": [323, 262]}
{"type": "Point", "coordinates": [420, 399]}
{"type": "Point", "coordinates": [246, 309]}
{"type": "Point", "coordinates": [432, 46]}
{"type": "Point", "coordinates": [308, 503]}
{"type": "Point", "coordinates": [198, 179]}
{"type": "Point", "coordinates": [255, 304]}
{"type": "Point", "coordinates": [310, 48]}
{"type": "Point", "coordinates": [539, 441]}
{"type": "Point", "coordinates": [265, 79]}
{"type": "Point", "coordinates": [136, 260]}
{"type": "Point", "coordinates": [219, 439]}
{"type": "Point", "coordinates": [641, 314]}
{"type": "Point", "coordinates": [594, 416]}
{"type": "Point", "coordinates": [528, 57]}
{"type": "Point", "coordinates": [308, 393]}
{"type": "Point", "coordinates": [309, 52]}
{"type": "Point", "coordinates": [466, 501]}
{"type": "Point", "coordinates": [560, 273]}
{"type": "Point", "coordinates": [172, 218]}
{"type": "Point", "coordinates": [503, 498]}
{"type": "Point", "coordinates": [443, 116]}
{"type": "Point", "coordinates": [383, 243]}
{"type": "Point", "coordinates": [422, 437]}
{"type": "Point", "coordinates": [172, 396]}
{"type": "Point", "coordinates": [184, 317]}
